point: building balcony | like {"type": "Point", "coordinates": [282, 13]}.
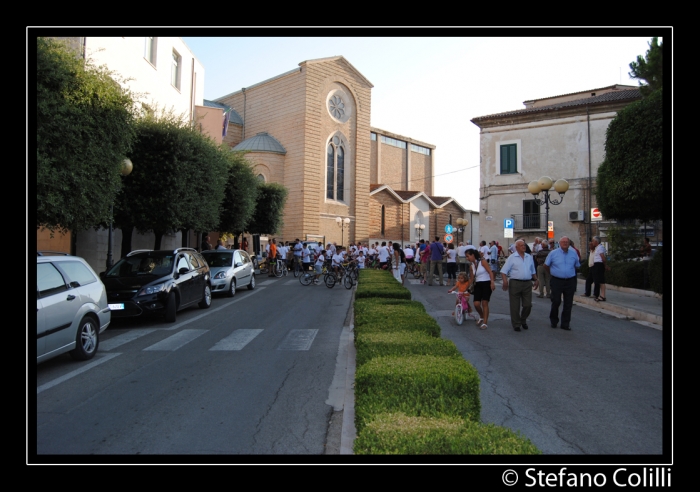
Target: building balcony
{"type": "Point", "coordinates": [529, 222]}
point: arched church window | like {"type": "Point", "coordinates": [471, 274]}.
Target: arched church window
{"type": "Point", "coordinates": [335, 170]}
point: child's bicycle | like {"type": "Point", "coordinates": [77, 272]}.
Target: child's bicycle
{"type": "Point", "coordinates": [462, 308]}
{"type": "Point", "coordinates": [307, 278]}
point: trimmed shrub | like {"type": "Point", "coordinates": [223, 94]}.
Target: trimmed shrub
{"type": "Point", "coordinates": [656, 277]}
{"type": "Point", "coordinates": [401, 343]}
{"type": "Point", "coordinates": [373, 310]}
{"type": "Point", "coordinates": [401, 434]}
{"type": "Point", "coordinates": [422, 322]}
{"type": "Point", "coordinates": [417, 385]}
{"type": "Point", "coordinates": [626, 274]}
{"type": "Point", "coordinates": [397, 291]}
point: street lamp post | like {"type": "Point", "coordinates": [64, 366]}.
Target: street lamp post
{"type": "Point", "coordinates": [543, 185]}
{"type": "Point", "coordinates": [461, 225]}
{"type": "Point", "coordinates": [342, 223]}
{"type": "Point", "coordinates": [419, 229]}
{"type": "Point", "coordinates": [127, 167]}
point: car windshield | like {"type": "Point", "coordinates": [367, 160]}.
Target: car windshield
{"type": "Point", "coordinates": [154, 263]}
{"type": "Point", "coordinates": [219, 259]}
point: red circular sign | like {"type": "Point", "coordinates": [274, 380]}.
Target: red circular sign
{"type": "Point", "coordinates": [596, 213]}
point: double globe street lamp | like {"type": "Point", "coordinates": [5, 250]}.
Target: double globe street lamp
{"type": "Point", "coordinates": [127, 167]}
{"type": "Point", "coordinates": [543, 185]}
{"type": "Point", "coordinates": [419, 229]}
{"type": "Point", "coordinates": [342, 223]}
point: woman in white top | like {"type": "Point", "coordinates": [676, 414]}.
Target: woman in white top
{"type": "Point", "coordinates": [484, 283]}
{"type": "Point", "coordinates": [399, 263]}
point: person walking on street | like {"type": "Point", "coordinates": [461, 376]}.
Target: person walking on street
{"type": "Point", "coordinates": [493, 256]}
{"type": "Point", "coordinates": [516, 276]}
{"type": "Point", "coordinates": [437, 251]}
{"type": "Point", "coordinates": [484, 282]}
{"type": "Point", "coordinates": [562, 264]}
{"type": "Point", "coordinates": [542, 273]}
{"type": "Point", "coordinates": [600, 265]}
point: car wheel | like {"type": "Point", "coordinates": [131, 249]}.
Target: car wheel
{"type": "Point", "coordinates": [171, 308]}
{"type": "Point", "coordinates": [86, 340]}
{"type": "Point", "coordinates": [205, 303]}
{"type": "Point", "coordinates": [232, 288]}
{"type": "Point", "coordinates": [251, 285]}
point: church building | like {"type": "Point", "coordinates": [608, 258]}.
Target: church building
{"type": "Point", "coordinates": [310, 130]}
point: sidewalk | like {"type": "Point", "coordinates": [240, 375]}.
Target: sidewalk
{"type": "Point", "coordinates": [635, 304]}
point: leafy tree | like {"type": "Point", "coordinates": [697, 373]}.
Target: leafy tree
{"type": "Point", "coordinates": [84, 131]}
{"type": "Point", "coordinates": [630, 179]}
{"type": "Point", "coordinates": [650, 68]}
{"type": "Point", "coordinates": [177, 182]}
{"type": "Point", "coordinates": [267, 218]}
{"type": "Point", "coordinates": [624, 241]}
{"type": "Point", "coordinates": [240, 195]}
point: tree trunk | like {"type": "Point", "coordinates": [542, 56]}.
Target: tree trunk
{"type": "Point", "coordinates": [127, 233]}
{"type": "Point", "coordinates": [159, 238]}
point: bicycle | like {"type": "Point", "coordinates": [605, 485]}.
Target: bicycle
{"type": "Point", "coordinates": [297, 266]}
{"type": "Point", "coordinates": [414, 269]}
{"type": "Point", "coordinates": [263, 266]}
{"type": "Point", "coordinates": [307, 278]}
{"type": "Point", "coordinates": [331, 278]}
{"type": "Point", "coordinates": [278, 267]}
{"type": "Point", "coordinates": [461, 307]}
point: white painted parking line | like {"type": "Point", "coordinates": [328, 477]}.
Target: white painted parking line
{"type": "Point", "coordinates": [236, 340]}
{"type": "Point", "coordinates": [177, 340]}
{"type": "Point", "coordinates": [127, 337]}
{"type": "Point", "coordinates": [99, 359]}
{"type": "Point", "coordinates": [298, 340]}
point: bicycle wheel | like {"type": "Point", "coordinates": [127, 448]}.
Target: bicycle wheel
{"type": "Point", "coordinates": [347, 281]}
{"type": "Point", "coordinates": [284, 269]}
{"type": "Point", "coordinates": [329, 280]}
{"type": "Point", "coordinates": [459, 316]}
{"type": "Point", "coordinates": [416, 272]}
{"type": "Point", "coordinates": [306, 279]}
{"type": "Point", "coordinates": [277, 270]}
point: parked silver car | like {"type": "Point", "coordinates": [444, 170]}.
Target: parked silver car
{"type": "Point", "coordinates": [71, 307]}
{"type": "Point", "coordinates": [230, 269]}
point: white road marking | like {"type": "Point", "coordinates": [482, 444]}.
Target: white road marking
{"type": "Point", "coordinates": [99, 359]}
{"type": "Point", "coordinates": [236, 340]}
{"type": "Point", "coordinates": [177, 340]}
{"type": "Point", "coordinates": [212, 310]}
{"type": "Point", "coordinates": [268, 281]}
{"type": "Point", "coordinates": [127, 337]}
{"type": "Point", "coordinates": [298, 340]}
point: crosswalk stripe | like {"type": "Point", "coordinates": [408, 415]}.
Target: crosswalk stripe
{"type": "Point", "coordinates": [177, 340]}
{"type": "Point", "coordinates": [298, 340]}
{"type": "Point", "coordinates": [236, 340]}
{"type": "Point", "coordinates": [127, 337]}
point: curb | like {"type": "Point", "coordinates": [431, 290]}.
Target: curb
{"type": "Point", "coordinates": [627, 312]}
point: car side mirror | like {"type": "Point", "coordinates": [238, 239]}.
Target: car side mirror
{"type": "Point", "coordinates": [238, 264]}
{"type": "Point", "coordinates": [102, 274]}
{"type": "Point", "coordinates": [75, 284]}
{"type": "Point", "coordinates": [183, 271]}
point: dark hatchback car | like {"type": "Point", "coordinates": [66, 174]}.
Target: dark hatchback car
{"type": "Point", "coordinates": [157, 283]}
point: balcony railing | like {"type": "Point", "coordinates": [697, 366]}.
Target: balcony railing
{"type": "Point", "coordinates": [529, 222]}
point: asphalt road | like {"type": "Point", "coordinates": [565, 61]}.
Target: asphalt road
{"type": "Point", "coordinates": [595, 390]}
{"type": "Point", "coordinates": [249, 376]}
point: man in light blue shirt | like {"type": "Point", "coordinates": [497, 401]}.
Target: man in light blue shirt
{"type": "Point", "coordinates": [520, 271]}
{"type": "Point", "coordinates": [562, 264]}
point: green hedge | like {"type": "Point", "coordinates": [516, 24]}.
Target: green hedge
{"type": "Point", "coordinates": [401, 434]}
{"type": "Point", "coordinates": [417, 385]}
{"type": "Point", "coordinates": [375, 310]}
{"type": "Point", "coordinates": [400, 343]}
{"type": "Point", "coordinates": [423, 323]}
{"type": "Point", "coordinates": [626, 274]}
{"type": "Point", "coordinates": [395, 290]}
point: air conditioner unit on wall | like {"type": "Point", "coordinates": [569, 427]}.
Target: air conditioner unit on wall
{"type": "Point", "coordinates": [576, 215]}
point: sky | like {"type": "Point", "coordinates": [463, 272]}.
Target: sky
{"type": "Point", "coordinates": [429, 88]}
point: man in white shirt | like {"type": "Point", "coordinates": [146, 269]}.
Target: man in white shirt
{"type": "Point", "coordinates": [383, 254]}
{"type": "Point", "coordinates": [484, 250]}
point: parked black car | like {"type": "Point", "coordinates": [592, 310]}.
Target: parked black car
{"type": "Point", "coordinates": [147, 282]}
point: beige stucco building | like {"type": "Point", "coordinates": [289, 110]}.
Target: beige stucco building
{"type": "Point", "coordinates": [560, 137]}
{"type": "Point", "coordinates": [309, 129]}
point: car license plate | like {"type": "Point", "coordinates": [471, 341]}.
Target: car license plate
{"type": "Point", "coordinates": [116, 307]}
